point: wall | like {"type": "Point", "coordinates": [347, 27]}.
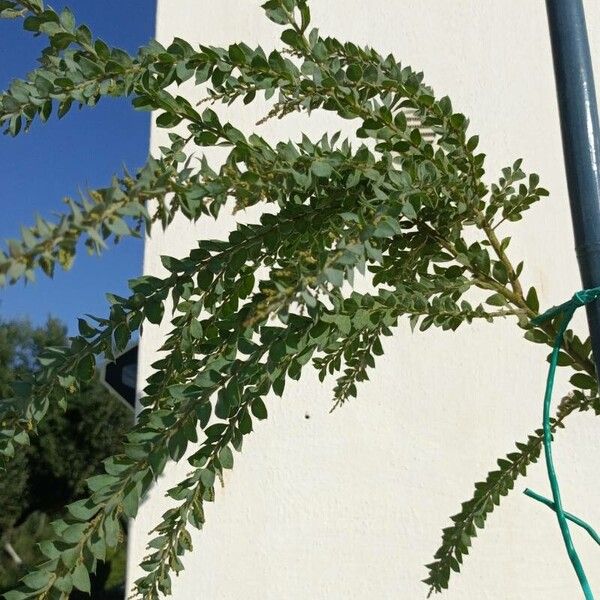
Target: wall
{"type": "Point", "coordinates": [351, 504]}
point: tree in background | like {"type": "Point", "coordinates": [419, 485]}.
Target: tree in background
{"type": "Point", "coordinates": [411, 210]}
{"type": "Point", "coordinates": [68, 449]}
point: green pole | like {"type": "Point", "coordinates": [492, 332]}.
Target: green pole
{"type": "Point", "coordinates": [581, 142]}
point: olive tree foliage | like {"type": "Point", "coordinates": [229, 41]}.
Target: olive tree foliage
{"type": "Point", "coordinates": [413, 215]}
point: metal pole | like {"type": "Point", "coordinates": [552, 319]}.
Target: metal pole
{"type": "Point", "coordinates": [581, 142]}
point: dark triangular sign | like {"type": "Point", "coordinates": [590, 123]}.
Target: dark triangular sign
{"type": "Point", "coordinates": [120, 376]}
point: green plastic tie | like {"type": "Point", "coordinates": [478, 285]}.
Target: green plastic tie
{"type": "Point", "coordinates": [566, 310]}
{"type": "Point", "coordinates": [593, 533]}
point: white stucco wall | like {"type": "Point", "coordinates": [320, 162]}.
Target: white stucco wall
{"type": "Point", "coordinates": [351, 504]}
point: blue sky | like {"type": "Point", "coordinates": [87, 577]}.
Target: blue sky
{"type": "Point", "coordinates": [56, 159]}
